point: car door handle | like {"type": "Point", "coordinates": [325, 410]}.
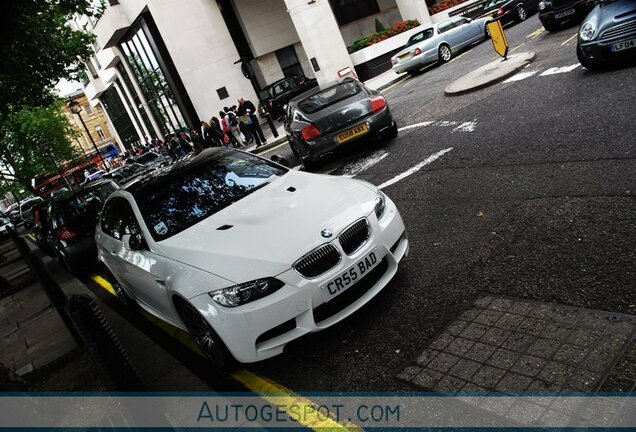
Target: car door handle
{"type": "Point", "coordinates": [113, 252]}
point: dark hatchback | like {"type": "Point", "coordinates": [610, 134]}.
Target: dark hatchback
{"type": "Point", "coordinates": [71, 223]}
{"type": "Point", "coordinates": [321, 121]}
{"type": "Point", "coordinates": [276, 96]}
{"type": "Point", "coordinates": [554, 13]}
{"type": "Point", "coordinates": [608, 34]}
{"type": "Point", "coordinates": [41, 225]}
{"type": "Point", "coordinates": [510, 11]}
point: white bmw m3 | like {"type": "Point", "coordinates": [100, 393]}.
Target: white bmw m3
{"type": "Point", "coordinates": [245, 254]}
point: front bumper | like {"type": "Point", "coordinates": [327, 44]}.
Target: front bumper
{"type": "Point", "coordinates": [261, 329]}
{"type": "Point", "coordinates": [581, 9]}
{"type": "Point", "coordinates": [600, 51]}
{"type": "Point", "coordinates": [326, 146]}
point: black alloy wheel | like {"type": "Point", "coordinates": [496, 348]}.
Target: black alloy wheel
{"type": "Point", "coordinates": [206, 338]}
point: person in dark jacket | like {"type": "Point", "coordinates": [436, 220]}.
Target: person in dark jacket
{"type": "Point", "coordinates": [249, 106]}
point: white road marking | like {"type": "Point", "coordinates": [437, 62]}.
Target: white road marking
{"type": "Point", "coordinates": [558, 70]}
{"type": "Point", "coordinates": [355, 168]}
{"type": "Point", "coordinates": [570, 38]}
{"type": "Point", "coordinates": [446, 123]}
{"type": "Point", "coordinates": [416, 125]}
{"type": "Point", "coordinates": [468, 126]}
{"type": "Point", "coordinates": [520, 76]}
{"type": "Point", "coordinates": [416, 168]}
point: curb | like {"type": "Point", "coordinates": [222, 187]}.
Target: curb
{"type": "Point", "coordinates": [523, 59]}
{"type": "Point", "coordinates": [257, 150]}
{"type": "Point", "coordinates": [397, 79]}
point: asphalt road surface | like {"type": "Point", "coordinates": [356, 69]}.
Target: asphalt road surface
{"type": "Point", "coordinates": [526, 189]}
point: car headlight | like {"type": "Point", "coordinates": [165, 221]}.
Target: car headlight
{"type": "Point", "coordinates": [544, 5]}
{"type": "Point", "coordinates": [380, 205]}
{"type": "Point", "coordinates": [240, 294]}
{"type": "Point", "coordinates": [588, 31]}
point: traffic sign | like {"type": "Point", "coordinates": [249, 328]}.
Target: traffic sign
{"type": "Point", "coordinates": [498, 37]}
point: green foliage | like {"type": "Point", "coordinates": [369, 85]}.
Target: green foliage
{"type": "Point", "coordinates": [34, 140]}
{"type": "Point", "coordinates": [38, 48]}
{"type": "Point", "coordinates": [395, 29]}
{"type": "Point", "coordinates": [379, 27]}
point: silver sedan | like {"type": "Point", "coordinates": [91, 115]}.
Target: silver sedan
{"type": "Point", "coordinates": [439, 43]}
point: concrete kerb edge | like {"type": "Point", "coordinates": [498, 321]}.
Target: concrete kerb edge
{"type": "Point", "coordinates": [489, 83]}
{"type": "Point", "coordinates": [269, 145]}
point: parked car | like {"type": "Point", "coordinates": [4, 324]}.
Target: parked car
{"type": "Point", "coordinates": [321, 121]}
{"type": "Point", "coordinates": [608, 34]}
{"type": "Point", "coordinates": [275, 96]}
{"type": "Point", "coordinates": [25, 210]}
{"type": "Point", "coordinates": [554, 13]}
{"type": "Point", "coordinates": [510, 11]}
{"type": "Point", "coordinates": [122, 174]}
{"type": "Point", "coordinates": [247, 255]}
{"type": "Point", "coordinates": [41, 224]}
{"type": "Point", "coordinates": [438, 43]}
{"type": "Point", "coordinates": [59, 191]}
{"type": "Point", "coordinates": [4, 224]}
{"type": "Point", "coordinates": [72, 218]}
{"type": "Point", "coordinates": [14, 216]}
{"type": "Point", "coordinates": [152, 160]}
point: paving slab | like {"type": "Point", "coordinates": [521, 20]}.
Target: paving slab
{"type": "Point", "coordinates": [514, 345]}
{"type": "Point", "coordinates": [489, 74]}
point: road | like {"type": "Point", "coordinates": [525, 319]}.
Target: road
{"type": "Point", "coordinates": [526, 189]}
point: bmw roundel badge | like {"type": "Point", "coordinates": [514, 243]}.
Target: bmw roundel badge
{"type": "Point", "coordinates": [326, 233]}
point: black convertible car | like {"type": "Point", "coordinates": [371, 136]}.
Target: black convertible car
{"type": "Point", "coordinates": [510, 11]}
{"type": "Point", "coordinates": [323, 120]}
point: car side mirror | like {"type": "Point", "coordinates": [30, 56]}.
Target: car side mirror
{"type": "Point", "coordinates": [134, 242]}
{"type": "Point", "coordinates": [280, 160]}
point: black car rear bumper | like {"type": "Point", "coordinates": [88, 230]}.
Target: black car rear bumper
{"type": "Point", "coordinates": [380, 124]}
{"type": "Point", "coordinates": [80, 252]}
{"type": "Point", "coordinates": [581, 9]}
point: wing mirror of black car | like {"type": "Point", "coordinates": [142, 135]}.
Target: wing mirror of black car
{"type": "Point", "coordinates": [280, 160]}
{"type": "Point", "coordinates": [135, 242]}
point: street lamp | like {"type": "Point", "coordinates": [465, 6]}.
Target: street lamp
{"type": "Point", "coordinates": [76, 108]}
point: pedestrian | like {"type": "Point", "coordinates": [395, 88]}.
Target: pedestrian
{"type": "Point", "coordinates": [176, 147]}
{"type": "Point", "coordinates": [227, 130]}
{"type": "Point", "coordinates": [186, 142]}
{"type": "Point", "coordinates": [217, 131]}
{"type": "Point", "coordinates": [250, 122]}
{"type": "Point", "coordinates": [249, 106]}
{"type": "Point", "coordinates": [234, 125]}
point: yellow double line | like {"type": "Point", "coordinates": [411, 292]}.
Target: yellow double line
{"type": "Point", "coordinates": [267, 389]}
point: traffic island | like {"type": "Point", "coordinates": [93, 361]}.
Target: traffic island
{"type": "Point", "coordinates": [489, 74]}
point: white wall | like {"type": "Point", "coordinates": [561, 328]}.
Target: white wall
{"type": "Point", "coordinates": [203, 52]}
{"type": "Point", "coordinates": [267, 25]}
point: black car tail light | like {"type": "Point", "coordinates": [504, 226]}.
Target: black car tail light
{"type": "Point", "coordinates": [64, 233]}
{"type": "Point", "coordinates": [378, 103]}
{"type": "Point", "coordinates": [310, 132]}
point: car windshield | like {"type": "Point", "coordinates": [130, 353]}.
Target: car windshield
{"type": "Point", "coordinates": [148, 157]}
{"type": "Point", "coordinates": [200, 190]}
{"type": "Point", "coordinates": [84, 205]}
{"type": "Point", "coordinates": [28, 204]}
{"type": "Point", "coordinates": [493, 3]}
{"type": "Point", "coordinates": [419, 37]}
{"type": "Point", "coordinates": [329, 96]}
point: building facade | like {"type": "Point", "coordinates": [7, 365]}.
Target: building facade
{"type": "Point", "coordinates": [96, 122]}
{"type": "Point", "coordinates": [163, 65]}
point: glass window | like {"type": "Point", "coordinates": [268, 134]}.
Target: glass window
{"type": "Point", "coordinates": [288, 61]}
{"type": "Point", "coordinates": [118, 219]}
{"type": "Point", "coordinates": [119, 117]}
{"type": "Point", "coordinates": [152, 81]}
{"type": "Point", "coordinates": [329, 96]}
{"type": "Point", "coordinates": [419, 37]}
{"type": "Point", "coordinates": [83, 207]}
{"type": "Point", "coordinates": [347, 11]}
{"type": "Point", "coordinates": [444, 26]}
{"type": "Point", "coordinates": [187, 196]}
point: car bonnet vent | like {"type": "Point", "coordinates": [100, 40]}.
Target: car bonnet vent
{"type": "Point", "coordinates": [291, 189]}
{"type": "Point", "coordinates": [224, 227]}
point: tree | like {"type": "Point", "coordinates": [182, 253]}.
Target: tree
{"type": "Point", "coordinates": [37, 48]}
{"type": "Point", "coordinates": [35, 140]}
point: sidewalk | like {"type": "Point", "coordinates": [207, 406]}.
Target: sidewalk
{"type": "Point", "coordinates": [384, 80]}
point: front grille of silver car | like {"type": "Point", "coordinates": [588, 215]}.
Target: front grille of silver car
{"type": "Point", "coordinates": [318, 262]}
{"type": "Point", "coordinates": [625, 29]}
{"type": "Point", "coordinates": [355, 236]}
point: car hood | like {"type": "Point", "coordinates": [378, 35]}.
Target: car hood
{"type": "Point", "coordinates": [613, 13]}
{"type": "Point", "coordinates": [263, 234]}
